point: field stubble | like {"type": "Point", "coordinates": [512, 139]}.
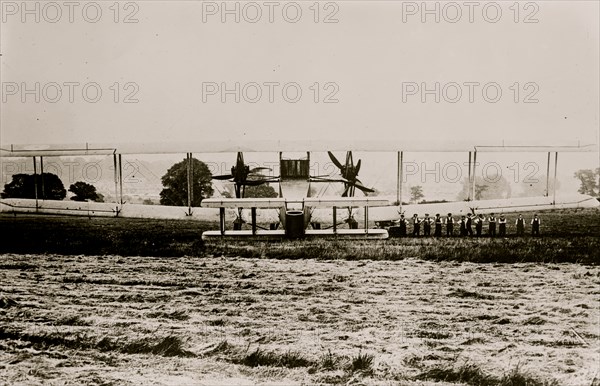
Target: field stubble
{"type": "Point", "coordinates": [141, 320]}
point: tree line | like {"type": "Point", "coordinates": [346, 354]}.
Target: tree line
{"type": "Point", "coordinates": [175, 187]}
{"type": "Point", "coordinates": [48, 186]}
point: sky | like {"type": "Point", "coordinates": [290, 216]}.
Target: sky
{"type": "Point", "coordinates": [374, 64]}
{"type": "Point", "coordinates": [182, 71]}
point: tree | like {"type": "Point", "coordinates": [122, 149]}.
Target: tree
{"type": "Point", "coordinates": [416, 193]}
{"type": "Point", "coordinates": [49, 187]}
{"type": "Point", "coordinates": [175, 184]}
{"type": "Point", "coordinates": [85, 192]}
{"type": "Point", "coordinates": [589, 181]}
{"type": "Point", "coordinates": [488, 188]}
{"type": "Point", "coordinates": [260, 191]}
{"type": "Point", "coordinates": [479, 190]}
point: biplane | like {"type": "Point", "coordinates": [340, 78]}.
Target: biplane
{"type": "Point", "coordinates": [295, 205]}
{"type": "Point", "coordinates": [295, 213]}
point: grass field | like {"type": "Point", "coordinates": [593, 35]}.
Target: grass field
{"type": "Point", "coordinates": [139, 320]}
{"type": "Point", "coordinates": [83, 302]}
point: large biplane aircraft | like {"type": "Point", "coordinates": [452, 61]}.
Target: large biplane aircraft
{"type": "Point", "coordinates": [295, 213]}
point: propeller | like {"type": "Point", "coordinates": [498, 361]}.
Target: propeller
{"type": "Point", "coordinates": [243, 176]}
{"type": "Point", "coordinates": [349, 172]}
{"type": "Point", "coordinates": [349, 177]}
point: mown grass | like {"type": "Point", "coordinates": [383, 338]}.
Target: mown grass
{"type": "Point", "coordinates": [100, 236]}
{"type": "Point", "coordinates": [584, 250]}
{"type": "Point", "coordinates": [472, 374]}
{"type": "Point", "coordinates": [568, 236]}
{"type": "Point", "coordinates": [361, 364]}
{"type": "Point", "coordinates": [287, 359]}
{"type": "Point", "coordinates": [167, 346]}
{"type": "Point", "coordinates": [88, 280]}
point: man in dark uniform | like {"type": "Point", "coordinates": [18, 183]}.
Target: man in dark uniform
{"type": "Point", "coordinates": [492, 225]}
{"type": "Point", "coordinates": [502, 226]}
{"type": "Point", "coordinates": [469, 225]}
{"type": "Point", "coordinates": [438, 226]}
{"type": "Point", "coordinates": [479, 225]}
{"type": "Point", "coordinates": [520, 223]}
{"type": "Point", "coordinates": [402, 226]}
{"type": "Point", "coordinates": [463, 226]}
{"type": "Point", "coordinates": [416, 225]}
{"type": "Point", "coordinates": [535, 225]}
{"type": "Point", "coordinates": [449, 224]}
{"type": "Point", "coordinates": [426, 225]}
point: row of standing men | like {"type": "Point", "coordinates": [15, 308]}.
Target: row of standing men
{"type": "Point", "coordinates": [465, 225]}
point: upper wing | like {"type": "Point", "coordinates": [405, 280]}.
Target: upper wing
{"type": "Point", "coordinates": [22, 150]}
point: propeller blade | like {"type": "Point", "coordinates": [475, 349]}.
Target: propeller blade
{"type": "Point", "coordinates": [335, 160]}
{"type": "Point", "coordinates": [328, 180]}
{"type": "Point", "coordinates": [357, 167]}
{"type": "Point", "coordinates": [256, 175]}
{"type": "Point", "coordinates": [222, 177]}
{"type": "Point", "coordinates": [364, 189]}
{"type": "Point", "coordinates": [258, 169]}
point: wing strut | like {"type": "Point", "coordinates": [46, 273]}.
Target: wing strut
{"type": "Point", "coordinates": [42, 175]}
{"type": "Point", "coordinates": [190, 185]}
{"type": "Point", "coordinates": [334, 220]}
{"type": "Point", "coordinates": [548, 176]}
{"type": "Point", "coordinates": [222, 220]}
{"type": "Point", "coordinates": [554, 182]}
{"type": "Point", "coordinates": [400, 177]}
{"type": "Point", "coordinates": [469, 198]}
{"type": "Point", "coordinates": [473, 183]}
{"type": "Point", "coordinates": [35, 182]}
{"type": "Point", "coordinates": [116, 174]}
{"type": "Point", "coordinates": [121, 179]}
{"type": "Point", "coordinates": [253, 211]}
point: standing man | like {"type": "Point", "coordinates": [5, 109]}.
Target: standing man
{"type": "Point", "coordinates": [402, 226]}
{"type": "Point", "coordinates": [469, 225]}
{"type": "Point", "coordinates": [502, 226]}
{"type": "Point", "coordinates": [492, 225]}
{"type": "Point", "coordinates": [479, 225]}
{"type": "Point", "coordinates": [520, 223]}
{"type": "Point", "coordinates": [426, 225]}
{"type": "Point", "coordinates": [535, 225]}
{"type": "Point", "coordinates": [416, 226]}
{"type": "Point", "coordinates": [449, 225]}
{"type": "Point", "coordinates": [438, 226]}
{"type": "Point", "coordinates": [463, 226]}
